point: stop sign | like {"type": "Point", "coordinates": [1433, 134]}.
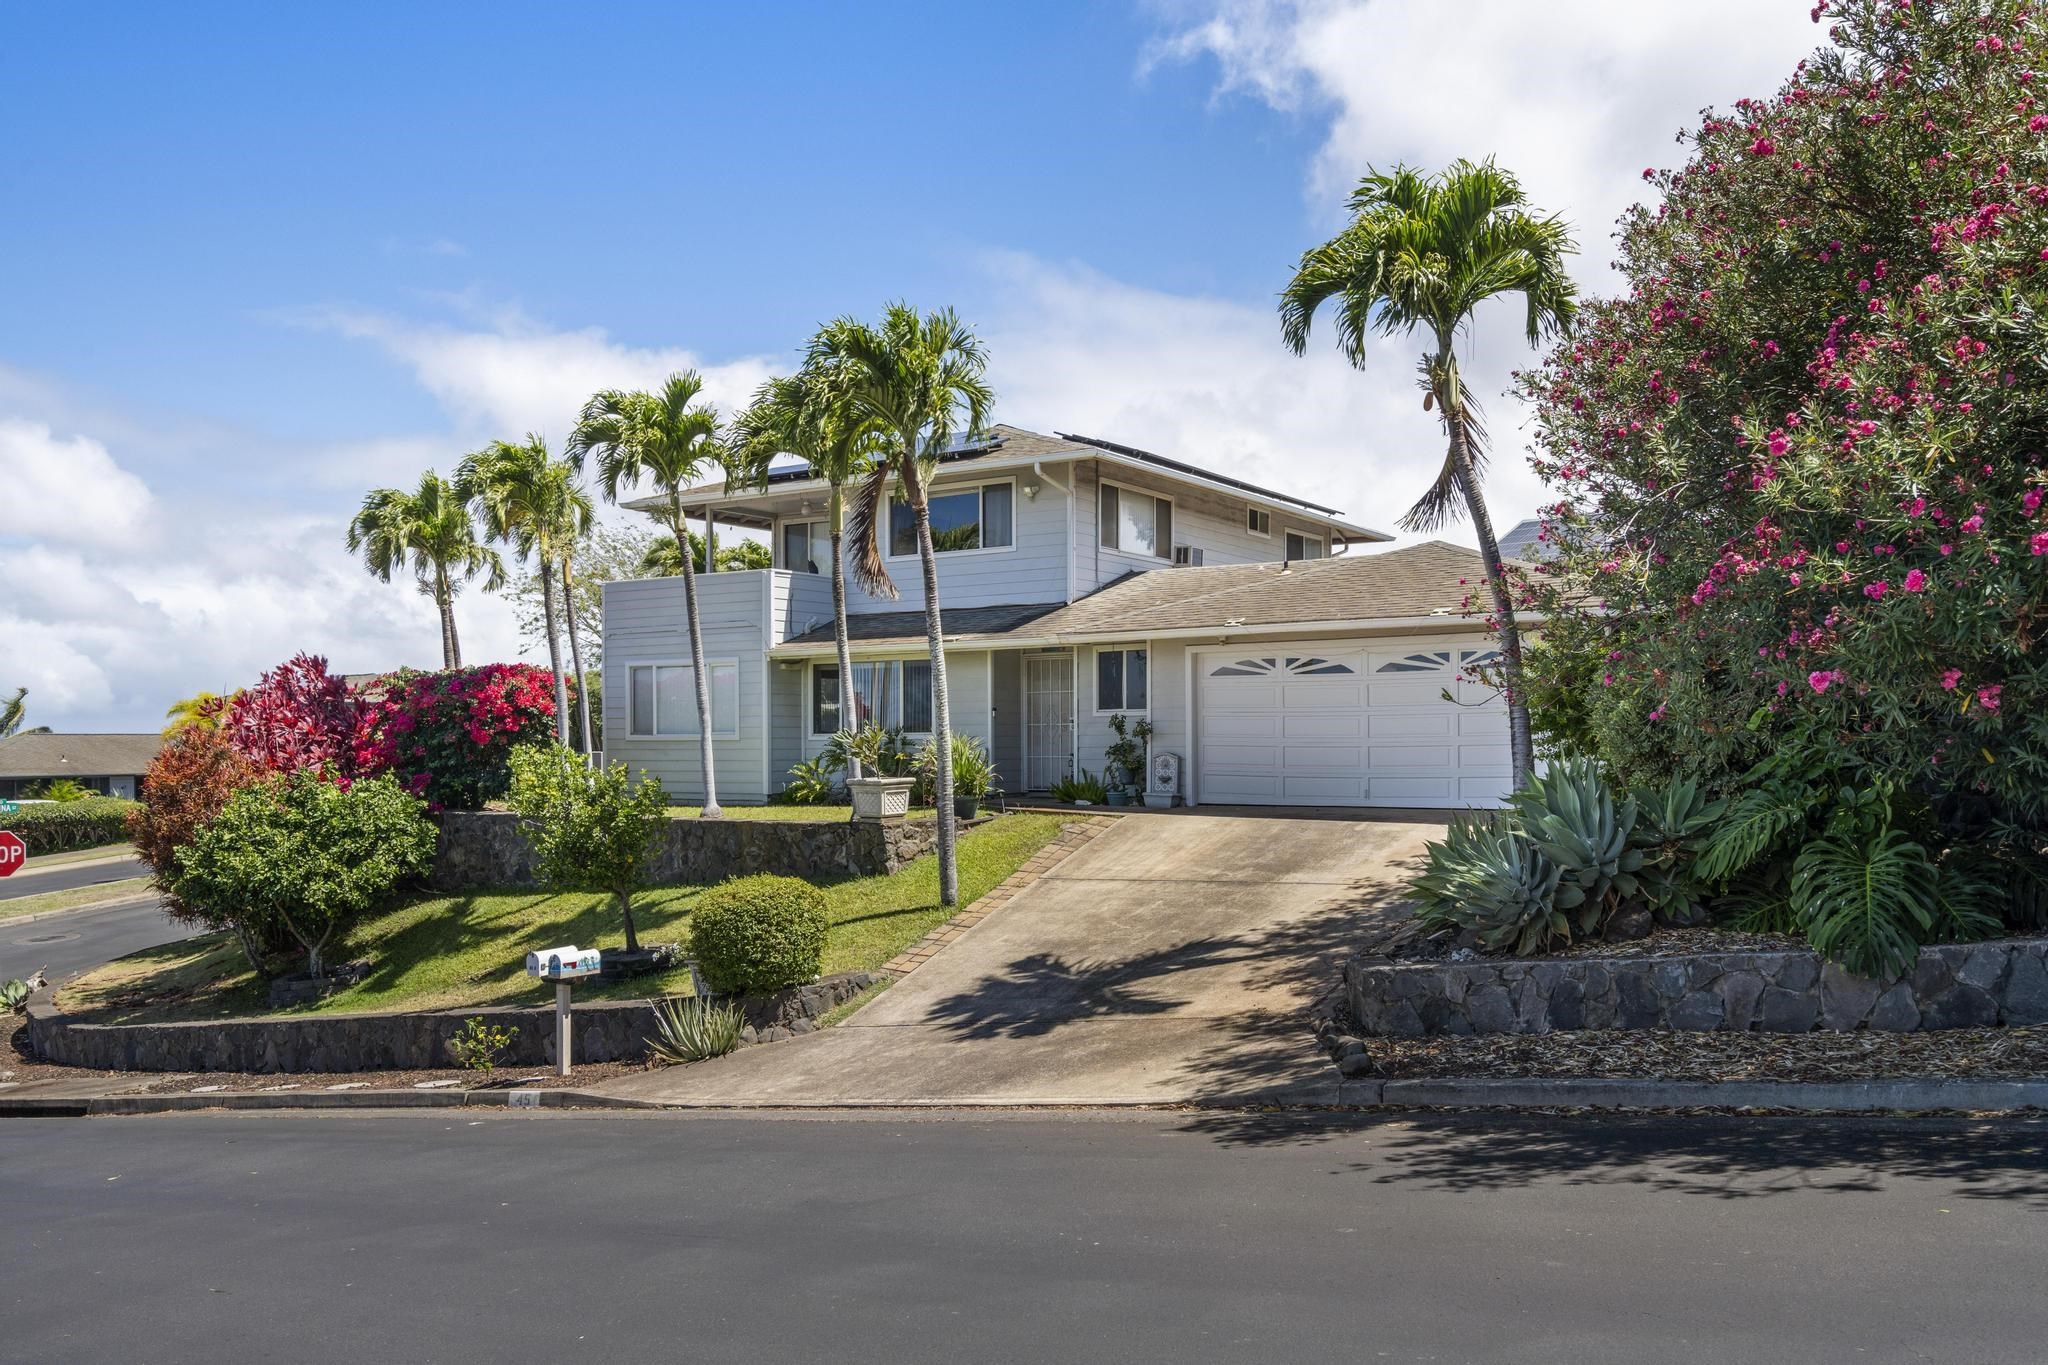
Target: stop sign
{"type": "Point", "coordinates": [13, 853]}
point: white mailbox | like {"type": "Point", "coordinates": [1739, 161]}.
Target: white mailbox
{"type": "Point", "coordinates": [564, 964]}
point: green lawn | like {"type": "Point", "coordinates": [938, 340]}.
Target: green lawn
{"type": "Point", "coordinates": [17, 906]}
{"type": "Point", "coordinates": [449, 952]}
{"type": "Point", "coordinates": [118, 849]}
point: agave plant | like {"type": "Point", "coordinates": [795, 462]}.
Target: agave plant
{"type": "Point", "coordinates": [1487, 877]}
{"type": "Point", "coordinates": [1571, 816]}
{"type": "Point", "coordinates": [1672, 823]}
{"type": "Point", "coordinates": [692, 1029]}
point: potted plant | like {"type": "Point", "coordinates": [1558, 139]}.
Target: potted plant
{"type": "Point", "coordinates": [1126, 755]}
{"type": "Point", "coordinates": [973, 774]}
{"type": "Point", "coordinates": [883, 793]}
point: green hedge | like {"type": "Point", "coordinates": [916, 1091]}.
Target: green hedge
{"type": "Point", "coordinates": [60, 826]}
{"type": "Point", "coordinates": [759, 934]}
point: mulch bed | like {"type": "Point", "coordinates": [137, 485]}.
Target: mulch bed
{"type": "Point", "coordinates": [1974, 1054]}
{"type": "Point", "coordinates": [16, 1065]}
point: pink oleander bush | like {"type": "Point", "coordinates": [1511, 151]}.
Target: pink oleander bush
{"type": "Point", "coordinates": [448, 736]}
{"type": "Point", "coordinates": [1799, 464]}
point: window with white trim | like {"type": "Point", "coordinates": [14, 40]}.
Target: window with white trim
{"type": "Point", "coordinates": [1136, 523]}
{"type": "Point", "coordinates": [662, 699]}
{"type": "Point", "coordinates": [982, 518]}
{"type": "Point", "coordinates": [807, 546]}
{"type": "Point", "coordinates": [1259, 522]}
{"type": "Point", "coordinates": [1121, 683]}
{"type": "Point", "coordinates": [1303, 546]}
{"type": "Point", "coordinates": [892, 693]}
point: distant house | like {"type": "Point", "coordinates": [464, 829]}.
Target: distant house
{"type": "Point", "coordinates": [1526, 542]}
{"type": "Point", "coordinates": [111, 765]}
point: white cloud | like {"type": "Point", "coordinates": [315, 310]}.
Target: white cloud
{"type": "Point", "coordinates": [65, 489]}
{"type": "Point", "coordinates": [1577, 98]}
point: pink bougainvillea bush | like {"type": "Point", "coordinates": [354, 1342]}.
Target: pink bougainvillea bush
{"type": "Point", "coordinates": [449, 735]}
{"type": "Point", "coordinates": [1800, 460]}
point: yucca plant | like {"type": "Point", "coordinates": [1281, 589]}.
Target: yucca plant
{"type": "Point", "coordinates": [14, 995]}
{"type": "Point", "coordinates": [1487, 877]}
{"type": "Point", "coordinates": [1570, 814]}
{"type": "Point", "coordinates": [693, 1029]}
{"type": "Point", "coordinates": [1672, 823]}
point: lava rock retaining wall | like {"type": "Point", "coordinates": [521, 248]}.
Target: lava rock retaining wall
{"type": "Point", "coordinates": [1973, 985]}
{"type": "Point", "coordinates": [605, 1031]}
{"type": "Point", "coordinates": [486, 849]}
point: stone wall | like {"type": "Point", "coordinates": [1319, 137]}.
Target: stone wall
{"type": "Point", "coordinates": [480, 849]}
{"type": "Point", "coordinates": [1971, 985]}
{"type": "Point", "coordinates": [605, 1031]}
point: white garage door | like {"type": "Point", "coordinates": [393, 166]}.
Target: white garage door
{"type": "Point", "coordinates": [1317, 725]}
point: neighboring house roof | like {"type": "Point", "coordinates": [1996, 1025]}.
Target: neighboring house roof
{"type": "Point", "coordinates": [1014, 445]}
{"type": "Point", "coordinates": [77, 755]}
{"type": "Point", "coordinates": [1420, 582]}
{"type": "Point", "coordinates": [1525, 541]}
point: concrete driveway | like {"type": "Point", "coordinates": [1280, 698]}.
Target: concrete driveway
{"type": "Point", "coordinates": [1170, 960]}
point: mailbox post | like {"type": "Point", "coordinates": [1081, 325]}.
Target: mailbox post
{"type": "Point", "coordinates": [562, 966]}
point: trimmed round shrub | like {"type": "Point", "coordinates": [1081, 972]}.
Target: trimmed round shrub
{"type": "Point", "coordinates": [758, 934]}
{"type": "Point", "coordinates": [61, 826]}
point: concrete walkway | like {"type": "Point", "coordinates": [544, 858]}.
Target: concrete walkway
{"type": "Point", "coordinates": [1170, 960]}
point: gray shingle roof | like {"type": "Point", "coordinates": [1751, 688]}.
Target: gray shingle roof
{"type": "Point", "coordinates": [23, 756]}
{"type": "Point", "coordinates": [1431, 579]}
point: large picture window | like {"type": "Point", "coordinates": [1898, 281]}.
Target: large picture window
{"type": "Point", "coordinates": [663, 699]}
{"type": "Point", "coordinates": [1136, 523]}
{"type": "Point", "coordinates": [1120, 680]}
{"type": "Point", "coordinates": [894, 694]}
{"type": "Point", "coordinates": [981, 518]}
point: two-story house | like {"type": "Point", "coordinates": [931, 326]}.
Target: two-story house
{"type": "Point", "coordinates": [1078, 578]}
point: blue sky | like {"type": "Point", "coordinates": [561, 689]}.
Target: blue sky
{"type": "Point", "coordinates": [258, 258]}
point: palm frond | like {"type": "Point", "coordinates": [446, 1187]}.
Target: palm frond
{"type": "Point", "coordinates": [867, 523]}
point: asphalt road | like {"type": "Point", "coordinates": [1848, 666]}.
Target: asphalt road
{"type": "Point", "coordinates": [1166, 1237]}
{"type": "Point", "coordinates": [34, 881]}
{"type": "Point", "coordinates": [68, 944]}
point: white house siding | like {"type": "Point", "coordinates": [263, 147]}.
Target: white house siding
{"type": "Point", "coordinates": [646, 622]}
{"type": "Point", "coordinates": [1034, 569]}
{"type": "Point", "coordinates": [1212, 522]}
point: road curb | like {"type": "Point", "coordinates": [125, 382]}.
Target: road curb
{"type": "Point", "coordinates": [82, 1106]}
{"type": "Point", "coordinates": [1855, 1097]}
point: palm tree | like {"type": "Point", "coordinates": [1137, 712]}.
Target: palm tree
{"type": "Point", "coordinates": [200, 711]}
{"type": "Point", "coordinates": [533, 503]}
{"type": "Point", "coordinates": [806, 415]}
{"type": "Point", "coordinates": [12, 712]}
{"type": "Point", "coordinates": [430, 528]}
{"type": "Point", "coordinates": [670, 440]}
{"type": "Point", "coordinates": [911, 379]}
{"type": "Point", "coordinates": [1422, 253]}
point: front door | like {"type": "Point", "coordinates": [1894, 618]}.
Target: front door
{"type": "Point", "coordinates": [1048, 720]}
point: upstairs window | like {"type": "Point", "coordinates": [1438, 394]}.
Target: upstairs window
{"type": "Point", "coordinates": [1135, 523]}
{"type": "Point", "coordinates": [1259, 522]}
{"type": "Point", "coordinates": [970, 519]}
{"type": "Point", "coordinates": [807, 546]}
{"type": "Point", "coordinates": [1303, 546]}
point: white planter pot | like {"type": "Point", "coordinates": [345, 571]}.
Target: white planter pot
{"type": "Point", "coordinates": [1159, 800]}
{"type": "Point", "coordinates": [879, 798]}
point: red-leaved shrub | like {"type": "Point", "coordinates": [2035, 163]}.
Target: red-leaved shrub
{"type": "Point", "coordinates": [297, 718]}
{"type": "Point", "coordinates": [188, 782]}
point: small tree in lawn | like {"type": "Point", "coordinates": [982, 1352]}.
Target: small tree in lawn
{"type": "Point", "coordinates": [588, 827]}
{"type": "Point", "coordinates": [307, 855]}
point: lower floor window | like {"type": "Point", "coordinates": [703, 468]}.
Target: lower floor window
{"type": "Point", "coordinates": [1120, 681]}
{"type": "Point", "coordinates": [664, 698]}
{"type": "Point", "coordinates": [895, 694]}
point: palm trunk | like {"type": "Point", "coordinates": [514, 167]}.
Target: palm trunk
{"type": "Point", "coordinates": [839, 636]}
{"type": "Point", "coordinates": [547, 611]}
{"type": "Point", "coordinates": [942, 720]}
{"type": "Point", "coordinates": [1521, 745]}
{"type": "Point", "coordinates": [701, 674]}
{"type": "Point", "coordinates": [576, 655]}
{"type": "Point", "coordinates": [444, 603]}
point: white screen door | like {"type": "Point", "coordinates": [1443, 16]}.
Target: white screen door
{"type": "Point", "coordinates": [1048, 720]}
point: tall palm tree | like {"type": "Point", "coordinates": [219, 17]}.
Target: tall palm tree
{"type": "Point", "coordinates": [913, 379]}
{"type": "Point", "coordinates": [532, 502]}
{"type": "Point", "coordinates": [1421, 254]}
{"type": "Point", "coordinates": [13, 711]}
{"type": "Point", "coordinates": [430, 528]}
{"type": "Point", "coordinates": [807, 415]}
{"type": "Point", "coordinates": [200, 711]}
{"type": "Point", "coordinates": [671, 441]}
